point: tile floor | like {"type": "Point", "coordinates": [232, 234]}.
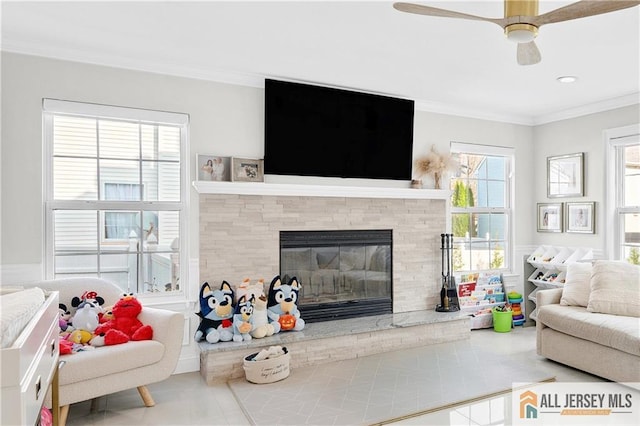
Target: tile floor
{"type": "Point", "coordinates": [185, 399]}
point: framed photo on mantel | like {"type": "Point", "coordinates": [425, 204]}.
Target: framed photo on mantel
{"type": "Point", "coordinates": [247, 170]}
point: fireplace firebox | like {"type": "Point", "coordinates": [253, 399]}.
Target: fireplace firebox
{"type": "Point", "coordinates": [344, 274]}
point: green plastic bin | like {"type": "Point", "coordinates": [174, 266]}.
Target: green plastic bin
{"type": "Point", "coordinates": [502, 321]}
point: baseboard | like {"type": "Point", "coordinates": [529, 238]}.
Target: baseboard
{"type": "Point", "coordinates": [188, 364]}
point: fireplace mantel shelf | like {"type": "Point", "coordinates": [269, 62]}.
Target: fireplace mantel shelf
{"type": "Point", "coordinates": [299, 190]}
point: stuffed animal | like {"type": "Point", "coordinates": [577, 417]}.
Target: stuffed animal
{"type": "Point", "coordinates": [242, 319]}
{"type": "Point", "coordinates": [216, 314]}
{"type": "Point", "coordinates": [247, 289]}
{"type": "Point", "coordinates": [87, 296]}
{"type": "Point", "coordinates": [124, 326]}
{"type": "Point", "coordinates": [64, 320]}
{"type": "Point", "coordinates": [86, 316]}
{"type": "Point", "coordinates": [281, 305]}
{"type": "Point", "coordinates": [261, 326]}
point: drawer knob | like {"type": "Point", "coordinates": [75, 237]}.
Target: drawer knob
{"type": "Point", "coordinates": [38, 387]}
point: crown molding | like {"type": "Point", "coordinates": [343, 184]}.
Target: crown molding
{"type": "Point", "coordinates": [604, 105]}
{"type": "Point", "coordinates": [256, 80]}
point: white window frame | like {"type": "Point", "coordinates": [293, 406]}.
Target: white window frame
{"type": "Point", "coordinates": [50, 107]}
{"type": "Point", "coordinates": [614, 187]}
{"type": "Point", "coordinates": [509, 209]}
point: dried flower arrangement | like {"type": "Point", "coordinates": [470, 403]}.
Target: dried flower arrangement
{"type": "Point", "coordinates": [435, 164]}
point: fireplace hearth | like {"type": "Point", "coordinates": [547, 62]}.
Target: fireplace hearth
{"type": "Point", "coordinates": [344, 274]}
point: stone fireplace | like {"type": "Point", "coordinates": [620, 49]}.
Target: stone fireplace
{"type": "Point", "coordinates": [240, 226]}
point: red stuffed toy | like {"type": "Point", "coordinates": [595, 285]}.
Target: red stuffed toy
{"type": "Point", "coordinates": [125, 324]}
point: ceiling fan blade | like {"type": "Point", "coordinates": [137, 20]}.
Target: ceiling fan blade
{"type": "Point", "coordinates": [528, 53]}
{"type": "Point", "coordinates": [581, 9]}
{"type": "Point", "coordinates": [434, 11]}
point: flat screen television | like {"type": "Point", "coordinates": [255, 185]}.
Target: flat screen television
{"type": "Point", "coordinates": [321, 131]}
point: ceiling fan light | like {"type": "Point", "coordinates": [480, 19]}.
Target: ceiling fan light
{"type": "Point", "coordinates": [521, 33]}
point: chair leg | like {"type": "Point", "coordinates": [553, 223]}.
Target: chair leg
{"type": "Point", "coordinates": [64, 413]}
{"type": "Point", "coordinates": [146, 396]}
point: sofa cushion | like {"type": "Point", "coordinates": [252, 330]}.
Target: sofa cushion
{"type": "Point", "coordinates": [108, 360]}
{"type": "Point", "coordinates": [577, 286]}
{"type": "Point", "coordinates": [618, 332]}
{"type": "Point", "coordinates": [615, 288]}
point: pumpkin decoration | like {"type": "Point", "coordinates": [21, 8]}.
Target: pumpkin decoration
{"type": "Point", "coordinates": [287, 321]}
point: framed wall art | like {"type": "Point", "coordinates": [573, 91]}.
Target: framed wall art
{"type": "Point", "coordinates": [213, 168]}
{"type": "Point", "coordinates": [549, 217]}
{"type": "Point", "coordinates": [581, 217]}
{"type": "Point", "coordinates": [247, 170]}
{"type": "Point", "coordinates": [565, 175]}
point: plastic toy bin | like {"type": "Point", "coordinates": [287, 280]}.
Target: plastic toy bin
{"type": "Point", "coordinates": [502, 321]}
{"type": "Point", "coordinates": [267, 371]}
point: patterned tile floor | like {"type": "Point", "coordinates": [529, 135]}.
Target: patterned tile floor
{"type": "Point", "coordinates": [184, 399]}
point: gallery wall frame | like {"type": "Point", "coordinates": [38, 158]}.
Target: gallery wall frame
{"type": "Point", "coordinates": [565, 175]}
{"type": "Point", "coordinates": [581, 217]}
{"type": "Point", "coordinates": [550, 217]}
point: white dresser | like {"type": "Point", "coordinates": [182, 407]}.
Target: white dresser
{"type": "Point", "coordinates": [29, 366]}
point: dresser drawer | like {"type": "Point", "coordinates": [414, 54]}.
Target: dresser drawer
{"type": "Point", "coordinates": [28, 366]}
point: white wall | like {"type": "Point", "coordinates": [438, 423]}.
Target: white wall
{"type": "Point", "coordinates": [226, 120]}
{"type": "Point", "coordinates": [582, 134]}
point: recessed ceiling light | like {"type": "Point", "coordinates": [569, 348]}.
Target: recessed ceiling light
{"type": "Point", "coordinates": [567, 79]}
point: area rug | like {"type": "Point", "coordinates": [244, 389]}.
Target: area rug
{"type": "Point", "coordinates": [378, 389]}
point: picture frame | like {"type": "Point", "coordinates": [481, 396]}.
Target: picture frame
{"type": "Point", "coordinates": [213, 168]}
{"type": "Point", "coordinates": [550, 217]}
{"type": "Point", "coordinates": [581, 217]}
{"type": "Point", "coordinates": [247, 170]}
{"type": "Point", "coordinates": [565, 175]}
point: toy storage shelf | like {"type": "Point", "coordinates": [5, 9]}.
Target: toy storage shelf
{"type": "Point", "coordinates": [487, 292]}
{"type": "Point", "coordinates": [546, 268]}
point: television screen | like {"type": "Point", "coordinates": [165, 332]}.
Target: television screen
{"type": "Point", "coordinates": [321, 131]}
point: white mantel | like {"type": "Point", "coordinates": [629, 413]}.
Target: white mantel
{"type": "Point", "coordinates": [299, 190]}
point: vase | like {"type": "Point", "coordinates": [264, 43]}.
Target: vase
{"type": "Point", "coordinates": [436, 180]}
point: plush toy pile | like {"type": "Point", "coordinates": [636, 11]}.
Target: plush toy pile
{"type": "Point", "coordinates": [91, 326]}
{"type": "Point", "coordinates": [247, 312]}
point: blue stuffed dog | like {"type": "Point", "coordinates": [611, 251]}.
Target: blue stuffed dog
{"type": "Point", "coordinates": [216, 314]}
{"type": "Point", "coordinates": [281, 303]}
{"type": "Point", "coordinates": [243, 319]}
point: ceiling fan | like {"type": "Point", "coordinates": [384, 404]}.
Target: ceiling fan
{"type": "Point", "coordinates": [521, 20]}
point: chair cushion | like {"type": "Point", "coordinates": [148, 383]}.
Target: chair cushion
{"type": "Point", "coordinates": [577, 286]}
{"type": "Point", "coordinates": [614, 331]}
{"type": "Point", "coordinates": [615, 288]}
{"type": "Point", "coordinates": [107, 360]}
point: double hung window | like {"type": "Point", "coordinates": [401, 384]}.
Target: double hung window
{"type": "Point", "coordinates": [481, 207]}
{"type": "Point", "coordinates": [623, 196]}
{"type": "Point", "coordinates": [115, 194]}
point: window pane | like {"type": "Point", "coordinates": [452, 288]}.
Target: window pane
{"type": "Point", "coordinates": [482, 193]}
{"type": "Point", "coordinates": [118, 139]}
{"type": "Point", "coordinates": [462, 195]}
{"type": "Point", "coordinates": [121, 172]}
{"type": "Point", "coordinates": [631, 226]}
{"type": "Point", "coordinates": [158, 272]}
{"type": "Point", "coordinates": [168, 143]}
{"type": "Point", "coordinates": [119, 225]}
{"type": "Point", "coordinates": [161, 181]}
{"type": "Point", "coordinates": [461, 225]}
{"type": "Point", "coordinates": [76, 264]}
{"type": "Point", "coordinates": [461, 256]}
{"type": "Point", "coordinates": [74, 136]}
{"type": "Point", "coordinates": [495, 194]}
{"type": "Point", "coordinates": [167, 228]}
{"type": "Point", "coordinates": [497, 255]}
{"type": "Point", "coordinates": [631, 176]}
{"type": "Point", "coordinates": [121, 268]}
{"type": "Point", "coordinates": [75, 230]}
{"type": "Point", "coordinates": [496, 168]}
{"type": "Point", "coordinates": [74, 179]}
{"type": "Point", "coordinates": [480, 255]}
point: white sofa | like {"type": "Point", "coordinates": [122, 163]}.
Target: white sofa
{"type": "Point", "coordinates": [593, 323]}
{"type": "Point", "coordinates": [108, 369]}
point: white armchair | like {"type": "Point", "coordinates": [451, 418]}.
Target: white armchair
{"type": "Point", "coordinates": [108, 369]}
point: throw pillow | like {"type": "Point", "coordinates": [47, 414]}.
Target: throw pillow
{"type": "Point", "coordinates": [577, 286]}
{"type": "Point", "coordinates": [615, 288]}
